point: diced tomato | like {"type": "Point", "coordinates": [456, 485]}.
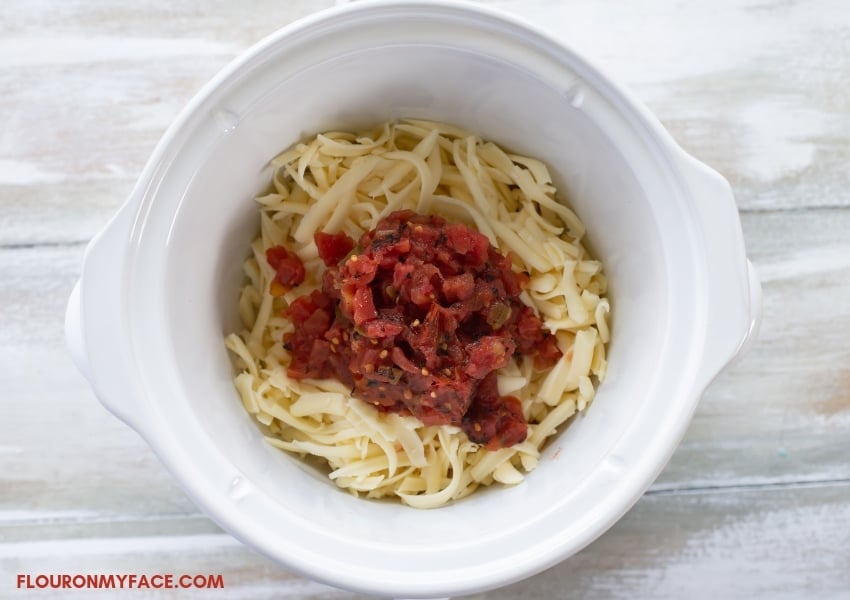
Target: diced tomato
{"type": "Point", "coordinates": [381, 328]}
{"type": "Point", "coordinates": [492, 420]}
{"type": "Point", "coordinates": [418, 321]}
{"type": "Point", "coordinates": [459, 238]}
{"type": "Point", "coordinates": [547, 354]}
{"type": "Point", "coordinates": [458, 287]}
{"type": "Point", "coordinates": [404, 363]}
{"type": "Point", "coordinates": [364, 307]}
{"type": "Point", "coordinates": [359, 271]}
{"type": "Point", "coordinates": [529, 330]}
{"type": "Point", "coordinates": [275, 254]}
{"type": "Point", "coordinates": [289, 269]}
{"type": "Point", "coordinates": [421, 288]}
{"type": "Point", "coordinates": [468, 242]}
{"type": "Point", "coordinates": [302, 308]}
{"type": "Point", "coordinates": [333, 247]}
{"type": "Point", "coordinates": [487, 354]}
{"type": "Point", "coordinates": [309, 350]}
{"type": "Point", "coordinates": [402, 275]}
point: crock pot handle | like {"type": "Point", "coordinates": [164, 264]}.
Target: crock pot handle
{"type": "Point", "coordinates": [734, 290]}
{"type": "Point", "coordinates": [95, 324]}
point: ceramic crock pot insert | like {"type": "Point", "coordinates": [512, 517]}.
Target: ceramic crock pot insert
{"type": "Point", "coordinates": [159, 287]}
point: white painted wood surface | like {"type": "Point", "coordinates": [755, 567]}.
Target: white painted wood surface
{"type": "Point", "coordinates": [756, 501]}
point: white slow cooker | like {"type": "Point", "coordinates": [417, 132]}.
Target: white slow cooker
{"type": "Point", "coordinates": [159, 290]}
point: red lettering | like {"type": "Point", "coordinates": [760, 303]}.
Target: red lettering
{"type": "Point", "coordinates": [116, 581]}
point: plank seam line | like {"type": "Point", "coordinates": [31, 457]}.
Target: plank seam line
{"type": "Point", "coordinates": [100, 519]}
{"type": "Point", "coordinates": [749, 487]}
{"type": "Point", "coordinates": [37, 245]}
{"type": "Point", "coordinates": [758, 210]}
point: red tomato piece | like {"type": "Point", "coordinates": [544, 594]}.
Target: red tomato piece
{"type": "Point", "coordinates": [289, 269]}
{"type": "Point", "coordinates": [333, 247]}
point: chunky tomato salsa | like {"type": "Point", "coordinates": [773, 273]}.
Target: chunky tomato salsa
{"type": "Point", "coordinates": [416, 318]}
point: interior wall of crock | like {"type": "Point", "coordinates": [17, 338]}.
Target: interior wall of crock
{"type": "Point", "coordinates": [217, 220]}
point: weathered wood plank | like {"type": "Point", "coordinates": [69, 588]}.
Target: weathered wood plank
{"type": "Point", "coordinates": [58, 213]}
{"type": "Point", "coordinates": [755, 88]}
{"type": "Point", "coordinates": [768, 116]}
{"type": "Point", "coordinates": [783, 412]}
{"type": "Point", "coordinates": [777, 543]}
{"type": "Point", "coordinates": [738, 543]}
{"type": "Point", "coordinates": [215, 20]}
{"type": "Point", "coordinates": [89, 88]}
{"type": "Point", "coordinates": [60, 451]}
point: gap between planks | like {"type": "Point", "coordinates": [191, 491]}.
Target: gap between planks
{"type": "Point", "coordinates": [796, 484]}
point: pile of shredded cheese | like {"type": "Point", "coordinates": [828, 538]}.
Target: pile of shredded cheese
{"type": "Point", "coordinates": [347, 182]}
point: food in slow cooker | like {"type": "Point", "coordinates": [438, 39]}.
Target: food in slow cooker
{"type": "Point", "coordinates": [420, 313]}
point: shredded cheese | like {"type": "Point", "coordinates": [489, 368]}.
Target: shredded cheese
{"type": "Point", "coordinates": [348, 182]}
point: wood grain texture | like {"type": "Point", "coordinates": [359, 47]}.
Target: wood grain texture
{"type": "Point", "coordinates": [773, 543]}
{"type": "Point", "coordinates": [755, 88]}
{"type": "Point", "coordinates": [783, 412]}
{"type": "Point", "coordinates": [756, 500]}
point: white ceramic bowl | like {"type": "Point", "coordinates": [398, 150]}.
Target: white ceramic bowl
{"type": "Point", "coordinates": [159, 287]}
